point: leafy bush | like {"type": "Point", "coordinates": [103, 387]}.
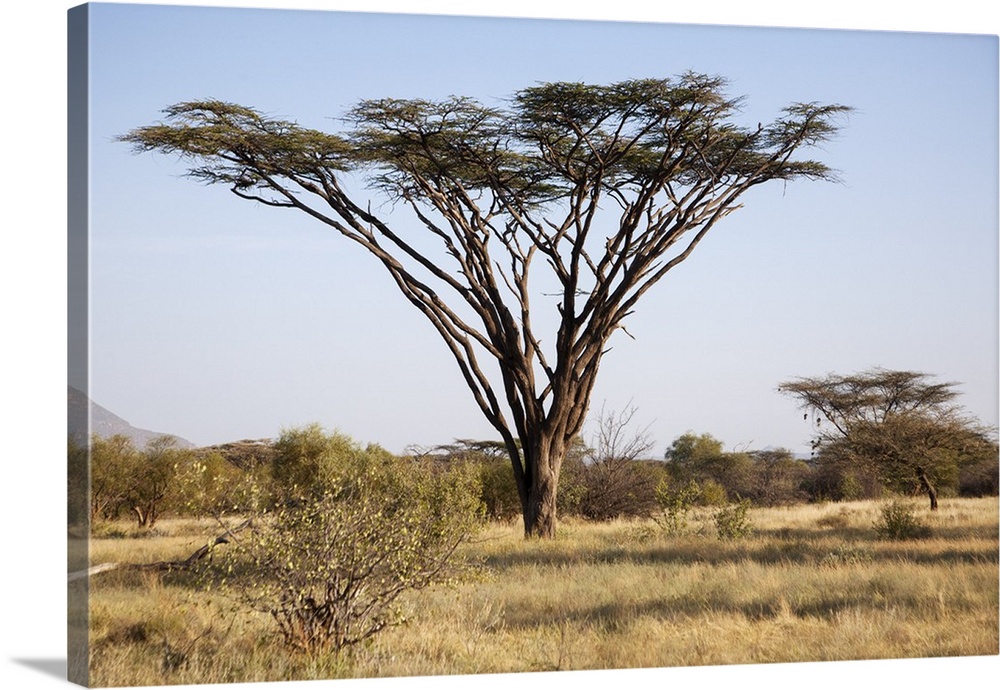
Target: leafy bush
{"type": "Point", "coordinates": [208, 484]}
{"type": "Point", "coordinates": [675, 505]}
{"type": "Point", "coordinates": [712, 493]}
{"type": "Point", "coordinates": [499, 490]}
{"type": "Point", "coordinates": [329, 570]}
{"type": "Point", "coordinates": [306, 461]}
{"type": "Point", "coordinates": [733, 522]}
{"type": "Point", "coordinates": [899, 522]}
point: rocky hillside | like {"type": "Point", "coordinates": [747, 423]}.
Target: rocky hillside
{"type": "Point", "coordinates": [105, 423]}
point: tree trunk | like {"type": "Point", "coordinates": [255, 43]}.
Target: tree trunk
{"type": "Point", "coordinates": [925, 482]}
{"type": "Point", "coordinates": [140, 515]}
{"type": "Point", "coordinates": [543, 460]}
{"type": "Point", "coordinates": [540, 516]}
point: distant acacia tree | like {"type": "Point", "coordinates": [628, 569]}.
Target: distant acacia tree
{"type": "Point", "coordinates": [900, 425]}
{"type": "Point", "coordinates": [516, 197]}
{"type": "Point", "coordinates": [123, 477]}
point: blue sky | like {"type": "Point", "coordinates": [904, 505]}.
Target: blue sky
{"type": "Point", "coordinates": [216, 319]}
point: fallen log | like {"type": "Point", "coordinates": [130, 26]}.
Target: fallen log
{"type": "Point", "coordinates": [223, 538]}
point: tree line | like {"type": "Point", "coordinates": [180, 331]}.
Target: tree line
{"type": "Point", "coordinates": [875, 433]}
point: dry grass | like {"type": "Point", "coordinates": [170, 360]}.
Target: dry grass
{"type": "Point", "coordinates": [813, 583]}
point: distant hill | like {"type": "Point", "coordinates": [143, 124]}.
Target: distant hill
{"type": "Point", "coordinates": [105, 423]}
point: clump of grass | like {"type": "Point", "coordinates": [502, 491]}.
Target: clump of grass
{"type": "Point", "coordinates": [838, 520]}
{"type": "Point", "coordinates": [848, 554]}
{"type": "Point", "coordinates": [898, 522]}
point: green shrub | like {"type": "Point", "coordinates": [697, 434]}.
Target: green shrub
{"type": "Point", "coordinates": [675, 505]}
{"type": "Point", "coordinates": [329, 568]}
{"type": "Point", "coordinates": [499, 490]}
{"type": "Point", "coordinates": [307, 460]}
{"type": "Point", "coordinates": [899, 522]}
{"type": "Point", "coordinates": [712, 493]}
{"type": "Point", "coordinates": [732, 521]}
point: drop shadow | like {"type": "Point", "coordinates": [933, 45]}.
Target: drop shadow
{"type": "Point", "coordinates": [50, 667]}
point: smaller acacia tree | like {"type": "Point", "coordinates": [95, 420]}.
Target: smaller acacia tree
{"type": "Point", "coordinates": [124, 478]}
{"type": "Point", "coordinates": [329, 564]}
{"type": "Point", "coordinates": [899, 425]}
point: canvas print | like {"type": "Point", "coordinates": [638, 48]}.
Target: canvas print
{"type": "Point", "coordinates": [416, 345]}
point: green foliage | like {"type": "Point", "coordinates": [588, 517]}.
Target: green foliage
{"type": "Point", "coordinates": [489, 460]}
{"type": "Point", "coordinates": [329, 569]}
{"type": "Point", "coordinates": [499, 491]}
{"type": "Point", "coordinates": [689, 448]}
{"type": "Point", "coordinates": [712, 493]}
{"type": "Point", "coordinates": [125, 479]}
{"type": "Point", "coordinates": [231, 135]}
{"type": "Point", "coordinates": [307, 461]}
{"type": "Point", "coordinates": [675, 506]}
{"type": "Point", "coordinates": [733, 521]}
{"type": "Point", "coordinates": [701, 458]}
{"type": "Point", "coordinates": [77, 494]}
{"type": "Point", "coordinates": [898, 522]}
{"type": "Point", "coordinates": [211, 485]}
{"type": "Point", "coordinates": [889, 430]}
{"type": "Point", "coordinates": [533, 151]}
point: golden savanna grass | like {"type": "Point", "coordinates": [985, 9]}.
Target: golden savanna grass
{"type": "Point", "coordinates": [812, 583]}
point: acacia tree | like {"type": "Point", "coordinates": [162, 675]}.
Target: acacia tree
{"type": "Point", "coordinates": [506, 191]}
{"type": "Point", "coordinates": [899, 424]}
{"type": "Point", "coordinates": [126, 478]}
